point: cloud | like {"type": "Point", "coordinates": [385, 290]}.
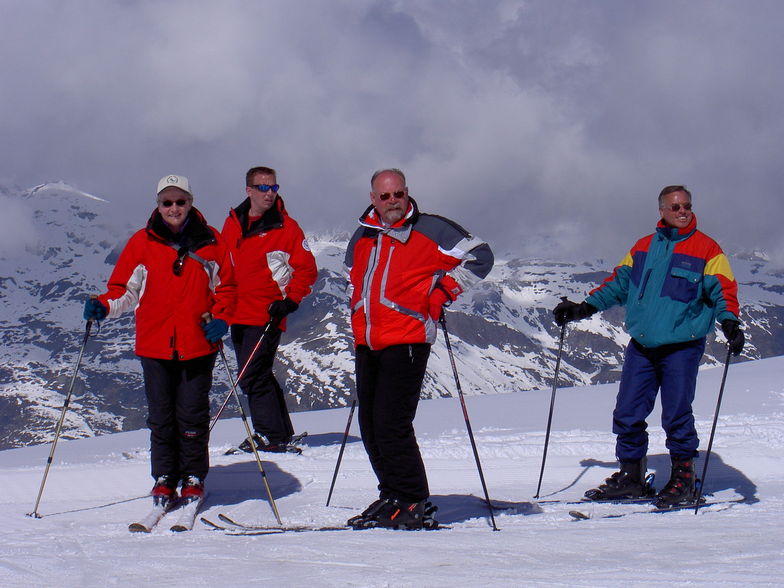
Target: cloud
{"type": "Point", "coordinates": [516, 119]}
{"type": "Point", "coordinates": [16, 226]}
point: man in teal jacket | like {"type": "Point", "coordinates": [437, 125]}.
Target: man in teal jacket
{"type": "Point", "coordinates": [675, 283]}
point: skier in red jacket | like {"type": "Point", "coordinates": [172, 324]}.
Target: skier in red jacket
{"type": "Point", "coordinates": [275, 270]}
{"type": "Point", "coordinates": [403, 267]}
{"type": "Point", "coordinates": [170, 274]}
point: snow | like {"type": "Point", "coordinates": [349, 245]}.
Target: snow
{"type": "Point", "coordinates": [97, 486]}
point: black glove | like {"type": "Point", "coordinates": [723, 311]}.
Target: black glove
{"type": "Point", "coordinates": [734, 334]}
{"type": "Point", "coordinates": [94, 310]}
{"type": "Point", "coordinates": [280, 308]}
{"type": "Point", "coordinates": [568, 311]}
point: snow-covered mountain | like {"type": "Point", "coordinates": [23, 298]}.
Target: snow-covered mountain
{"type": "Point", "coordinates": [501, 332]}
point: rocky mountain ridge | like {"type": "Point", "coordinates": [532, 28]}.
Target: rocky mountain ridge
{"type": "Point", "coordinates": [501, 331]}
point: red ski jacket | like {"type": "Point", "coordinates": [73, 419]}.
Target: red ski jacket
{"type": "Point", "coordinates": [170, 281]}
{"type": "Point", "coordinates": [272, 261]}
{"type": "Point", "coordinates": [393, 272]}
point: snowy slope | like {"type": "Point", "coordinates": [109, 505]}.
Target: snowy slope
{"type": "Point", "coordinates": [98, 485]}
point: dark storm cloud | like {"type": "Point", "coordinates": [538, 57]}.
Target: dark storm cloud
{"type": "Point", "coordinates": [547, 127]}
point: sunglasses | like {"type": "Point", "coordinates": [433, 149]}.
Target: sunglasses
{"type": "Point", "coordinates": [676, 207]}
{"type": "Point", "coordinates": [182, 253]}
{"type": "Point", "coordinates": [170, 203]}
{"type": "Point", "coordinates": [384, 196]}
{"type": "Point", "coordinates": [266, 187]}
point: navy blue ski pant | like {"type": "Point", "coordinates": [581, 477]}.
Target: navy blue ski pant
{"type": "Point", "coordinates": [178, 403]}
{"type": "Point", "coordinates": [388, 385]}
{"type": "Point", "coordinates": [671, 369]}
{"type": "Point", "coordinates": [267, 402]}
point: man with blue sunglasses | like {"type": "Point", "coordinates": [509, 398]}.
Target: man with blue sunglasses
{"type": "Point", "coordinates": [275, 270]}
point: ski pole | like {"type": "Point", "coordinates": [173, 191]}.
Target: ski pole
{"type": "Point", "coordinates": [442, 320]}
{"type": "Point", "coordinates": [242, 373]}
{"type": "Point", "coordinates": [552, 405]}
{"type": "Point", "coordinates": [207, 318]}
{"type": "Point", "coordinates": [342, 447]}
{"type": "Point", "coordinates": [59, 427]}
{"type": "Point", "coordinates": [713, 431]}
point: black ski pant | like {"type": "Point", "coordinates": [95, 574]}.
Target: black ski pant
{"type": "Point", "coordinates": [266, 400]}
{"type": "Point", "coordinates": [389, 382]}
{"type": "Point", "coordinates": [178, 404]}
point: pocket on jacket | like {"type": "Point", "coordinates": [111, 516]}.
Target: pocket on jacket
{"type": "Point", "coordinates": [682, 285]}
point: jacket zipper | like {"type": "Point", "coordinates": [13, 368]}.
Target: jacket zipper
{"type": "Point", "coordinates": [368, 283]}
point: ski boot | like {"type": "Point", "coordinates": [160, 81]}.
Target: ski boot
{"type": "Point", "coordinates": [361, 521]}
{"type": "Point", "coordinates": [192, 488]}
{"type": "Point", "coordinates": [409, 516]}
{"type": "Point", "coordinates": [164, 492]}
{"type": "Point", "coordinates": [680, 488]}
{"type": "Point", "coordinates": [264, 444]}
{"type": "Point", "coordinates": [629, 482]}
{"type": "Point", "coordinates": [396, 514]}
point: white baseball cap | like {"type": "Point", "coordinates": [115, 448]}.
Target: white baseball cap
{"type": "Point", "coordinates": [180, 182]}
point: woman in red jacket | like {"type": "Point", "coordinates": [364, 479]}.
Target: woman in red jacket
{"type": "Point", "coordinates": [170, 274]}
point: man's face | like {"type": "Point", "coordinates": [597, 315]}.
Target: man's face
{"type": "Point", "coordinates": [174, 205]}
{"type": "Point", "coordinates": [680, 217]}
{"type": "Point", "coordinates": [261, 202]}
{"type": "Point", "coordinates": [389, 197]}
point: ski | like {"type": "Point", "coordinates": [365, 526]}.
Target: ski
{"type": "Point", "coordinates": [188, 511]}
{"type": "Point", "coordinates": [641, 500]}
{"type": "Point", "coordinates": [581, 516]}
{"type": "Point", "coordinates": [239, 531]}
{"type": "Point", "coordinates": [291, 447]}
{"type": "Point", "coordinates": [232, 527]}
{"type": "Point", "coordinates": [294, 528]}
{"type": "Point", "coordinates": [280, 530]}
{"type": "Point", "coordinates": [212, 525]}
{"type": "Point", "coordinates": [158, 511]}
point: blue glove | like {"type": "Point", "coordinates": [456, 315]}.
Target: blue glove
{"type": "Point", "coordinates": [215, 330]}
{"type": "Point", "coordinates": [94, 310]}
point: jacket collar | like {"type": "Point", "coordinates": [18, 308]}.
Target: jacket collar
{"type": "Point", "coordinates": [674, 233]}
{"type": "Point", "coordinates": [195, 232]}
{"type": "Point", "coordinates": [271, 219]}
{"type": "Point", "coordinates": [400, 231]}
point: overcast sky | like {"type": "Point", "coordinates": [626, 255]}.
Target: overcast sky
{"type": "Point", "coordinates": [546, 127]}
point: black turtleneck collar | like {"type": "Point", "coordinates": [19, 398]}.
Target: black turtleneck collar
{"type": "Point", "coordinates": [194, 234]}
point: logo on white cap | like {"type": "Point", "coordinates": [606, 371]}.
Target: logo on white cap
{"type": "Point", "coordinates": [176, 181]}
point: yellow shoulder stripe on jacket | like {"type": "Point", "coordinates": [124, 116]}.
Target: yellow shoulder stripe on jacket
{"type": "Point", "coordinates": [719, 266]}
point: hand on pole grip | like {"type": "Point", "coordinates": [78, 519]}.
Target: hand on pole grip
{"type": "Point", "coordinates": [94, 310]}
{"type": "Point", "coordinates": [438, 300]}
{"type": "Point", "coordinates": [734, 334]}
{"type": "Point", "coordinates": [568, 311]}
{"type": "Point", "coordinates": [214, 329]}
{"type": "Point", "coordinates": [279, 309]}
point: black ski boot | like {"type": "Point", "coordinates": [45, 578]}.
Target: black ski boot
{"type": "Point", "coordinates": [396, 514]}
{"type": "Point", "coordinates": [680, 489]}
{"type": "Point", "coordinates": [628, 482]}
{"type": "Point", "coordinates": [361, 520]}
{"type": "Point", "coordinates": [263, 444]}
